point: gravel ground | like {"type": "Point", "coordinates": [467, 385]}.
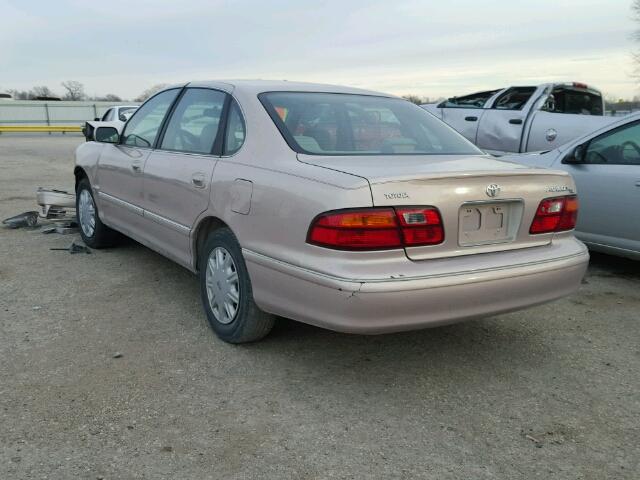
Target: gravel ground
{"type": "Point", "coordinates": [548, 393]}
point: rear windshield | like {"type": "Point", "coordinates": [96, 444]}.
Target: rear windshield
{"type": "Point", "coordinates": [345, 124]}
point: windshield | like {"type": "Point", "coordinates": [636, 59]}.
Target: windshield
{"type": "Point", "coordinates": [345, 124]}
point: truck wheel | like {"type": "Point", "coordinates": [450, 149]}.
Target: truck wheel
{"type": "Point", "coordinates": [95, 234]}
{"type": "Point", "coordinates": [226, 291]}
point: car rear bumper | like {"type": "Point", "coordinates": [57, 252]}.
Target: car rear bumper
{"type": "Point", "coordinates": [380, 305]}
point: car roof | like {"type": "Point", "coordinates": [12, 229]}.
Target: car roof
{"type": "Point", "coordinates": [261, 86]}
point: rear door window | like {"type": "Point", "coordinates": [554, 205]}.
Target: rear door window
{"type": "Point", "coordinates": [236, 130]}
{"type": "Point", "coordinates": [565, 99]}
{"type": "Point", "coordinates": [194, 124]}
{"type": "Point", "coordinates": [514, 98]}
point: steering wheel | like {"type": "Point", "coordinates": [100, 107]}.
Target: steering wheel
{"type": "Point", "coordinates": [631, 143]}
{"type": "Point", "coordinates": [595, 153]}
{"type": "Point", "coordinates": [189, 140]}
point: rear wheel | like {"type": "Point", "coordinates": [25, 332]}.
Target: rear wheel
{"type": "Point", "coordinates": [94, 233]}
{"type": "Point", "coordinates": [226, 291]}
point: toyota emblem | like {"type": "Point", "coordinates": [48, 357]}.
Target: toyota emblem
{"type": "Point", "coordinates": [493, 190]}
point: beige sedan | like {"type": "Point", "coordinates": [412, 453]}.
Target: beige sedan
{"type": "Point", "coordinates": [347, 209]}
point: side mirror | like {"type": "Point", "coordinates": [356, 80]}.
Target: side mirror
{"type": "Point", "coordinates": [576, 155]}
{"type": "Point", "coordinates": [106, 135]}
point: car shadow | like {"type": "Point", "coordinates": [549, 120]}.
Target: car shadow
{"type": "Point", "coordinates": [603, 265]}
{"type": "Point", "coordinates": [495, 346]}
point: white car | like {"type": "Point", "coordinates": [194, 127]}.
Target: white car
{"type": "Point", "coordinates": [115, 116]}
{"type": "Point", "coordinates": [119, 113]}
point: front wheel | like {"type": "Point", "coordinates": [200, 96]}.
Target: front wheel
{"type": "Point", "coordinates": [226, 291]}
{"type": "Point", "coordinates": [95, 234]}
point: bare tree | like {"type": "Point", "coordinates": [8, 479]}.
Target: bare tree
{"type": "Point", "coordinates": [41, 92]}
{"type": "Point", "coordinates": [635, 8]}
{"type": "Point", "coordinates": [109, 97]}
{"type": "Point", "coordinates": [75, 90]}
{"type": "Point", "coordinates": [150, 91]}
{"type": "Point", "coordinates": [414, 99]}
{"type": "Point", "coordinates": [19, 94]}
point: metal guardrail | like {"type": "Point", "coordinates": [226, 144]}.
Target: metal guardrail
{"type": "Point", "coordinates": [40, 128]}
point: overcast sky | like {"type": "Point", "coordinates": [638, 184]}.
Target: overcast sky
{"type": "Point", "coordinates": [427, 47]}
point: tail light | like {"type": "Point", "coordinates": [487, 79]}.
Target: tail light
{"type": "Point", "coordinates": [555, 215]}
{"type": "Point", "coordinates": [377, 228]}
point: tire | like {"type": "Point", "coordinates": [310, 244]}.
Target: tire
{"type": "Point", "coordinates": [95, 234]}
{"type": "Point", "coordinates": [233, 321]}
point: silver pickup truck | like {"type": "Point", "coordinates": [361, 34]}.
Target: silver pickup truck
{"type": "Point", "coordinates": [524, 119]}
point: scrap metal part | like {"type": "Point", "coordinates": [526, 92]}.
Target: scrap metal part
{"type": "Point", "coordinates": [74, 248]}
{"type": "Point", "coordinates": [63, 228]}
{"type": "Point", "coordinates": [26, 219]}
{"type": "Point", "coordinates": [55, 202]}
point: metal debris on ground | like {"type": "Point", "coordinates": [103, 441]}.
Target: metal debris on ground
{"type": "Point", "coordinates": [26, 219]}
{"type": "Point", "coordinates": [74, 248]}
{"type": "Point", "coordinates": [54, 202]}
{"type": "Point", "coordinates": [65, 228]}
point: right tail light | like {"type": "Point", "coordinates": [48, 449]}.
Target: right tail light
{"type": "Point", "coordinates": [556, 214]}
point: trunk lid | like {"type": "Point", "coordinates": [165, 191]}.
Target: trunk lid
{"type": "Point", "coordinates": [486, 204]}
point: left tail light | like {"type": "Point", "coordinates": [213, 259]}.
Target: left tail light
{"type": "Point", "coordinates": [556, 214]}
{"type": "Point", "coordinates": [377, 228]}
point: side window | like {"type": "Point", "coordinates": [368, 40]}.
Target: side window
{"type": "Point", "coordinates": [475, 100]}
{"type": "Point", "coordinates": [142, 129]}
{"type": "Point", "coordinates": [194, 124]}
{"type": "Point", "coordinates": [514, 99]}
{"type": "Point", "coordinates": [565, 99]}
{"type": "Point", "coordinates": [619, 147]}
{"type": "Point", "coordinates": [236, 130]}
{"type": "Point", "coordinates": [108, 116]}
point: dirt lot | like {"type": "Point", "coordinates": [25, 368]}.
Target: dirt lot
{"type": "Point", "coordinates": [550, 393]}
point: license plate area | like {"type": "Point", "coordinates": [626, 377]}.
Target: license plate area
{"type": "Point", "coordinates": [484, 223]}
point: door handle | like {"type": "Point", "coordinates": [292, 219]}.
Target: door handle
{"type": "Point", "coordinates": [198, 180]}
{"type": "Point", "coordinates": [471, 119]}
{"type": "Point", "coordinates": [515, 121]}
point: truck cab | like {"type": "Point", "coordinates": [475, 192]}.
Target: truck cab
{"type": "Point", "coordinates": [524, 118]}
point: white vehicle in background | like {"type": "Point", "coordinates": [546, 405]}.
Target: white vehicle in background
{"type": "Point", "coordinates": [524, 119]}
{"type": "Point", "coordinates": [120, 113]}
{"type": "Point", "coordinates": [115, 116]}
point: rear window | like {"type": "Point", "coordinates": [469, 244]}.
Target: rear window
{"type": "Point", "coordinates": [574, 100]}
{"type": "Point", "coordinates": [346, 124]}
